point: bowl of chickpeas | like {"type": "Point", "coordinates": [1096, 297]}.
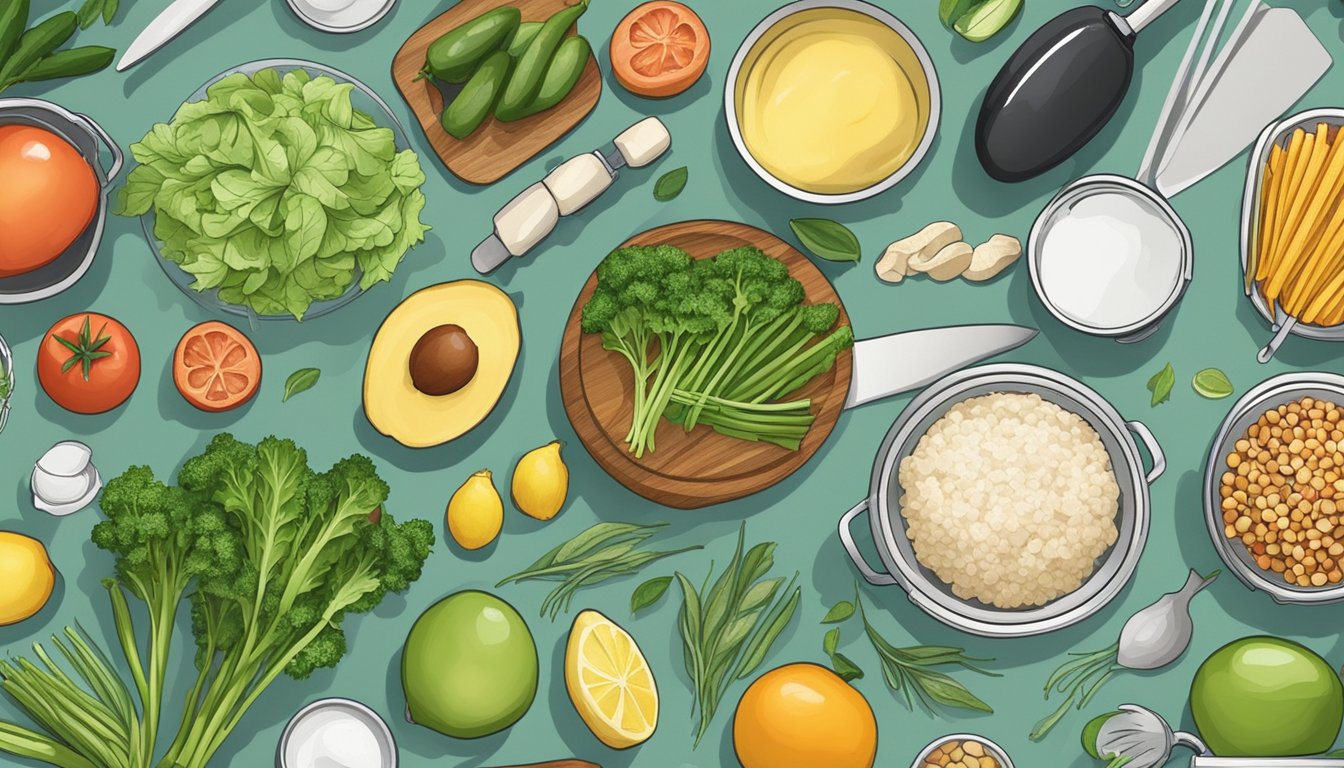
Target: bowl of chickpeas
{"type": "Point", "coordinates": [1274, 488]}
{"type": "Point", "coordinates": [962, 750]}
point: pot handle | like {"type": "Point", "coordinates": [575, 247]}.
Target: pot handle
{"type": "Point", "coordinates": [847, 539]}
{"type": "Point", "coordinates": [1154, 449]}
{"type": "Point", "coordinates": [98, 132]}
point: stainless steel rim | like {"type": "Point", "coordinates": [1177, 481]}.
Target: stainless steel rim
{"type": "Point", "coordinates": [382, 732]}
{"type": "Point", "coordinates": [1250, 206]}
{"type": "Point", "coordinates": [1115, 568]}
{"type": "Point", "coordinates": [63, 122]}
{"type": "Point", "coordinates": [297, 8]}
{"type": "Point", "coordinates": [1065, 196]}
{"type": "Point", "coordinates": [995, 751]}
{"type": "Point", "coordinates": [1270, 393]}
{"type": "Point", "coordinates": [897, 26]}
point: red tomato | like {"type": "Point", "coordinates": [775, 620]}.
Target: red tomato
{"type": "Point", "coordinates": [48, 197]}
{"type": "Point", "coordinates": [88, 363]}
{"type": "Point", "coordinates": [659, 49]}
{"type": "Point", "coordinates": [215, 367]}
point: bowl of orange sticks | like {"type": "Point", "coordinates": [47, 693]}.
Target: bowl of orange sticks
{"type": "Point", "coordinates": [1292, 228]}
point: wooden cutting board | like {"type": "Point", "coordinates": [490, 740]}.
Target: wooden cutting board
{"type": "Point", "coordinates": [692, 470]}
{"type": "Point", "coordinates": [496, 148]}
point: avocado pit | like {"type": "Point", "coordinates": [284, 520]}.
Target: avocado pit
{"type": "Point", "coordinates": [443, 361]}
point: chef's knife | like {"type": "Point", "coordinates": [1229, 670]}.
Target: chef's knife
{"type": "Point", "coordinates": [899, 362]}
{"type": "Point", "coordinates": [167, 25]}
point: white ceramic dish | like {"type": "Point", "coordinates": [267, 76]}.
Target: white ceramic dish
{"type": "Point", "coordinates": [387, 744]}
{"type": "Point", "coordinates": [341, 16]}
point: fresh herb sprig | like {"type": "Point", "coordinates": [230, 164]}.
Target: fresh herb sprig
{"type": "Point", "coordinates": [909, 671]}
{"type": "Point", "coordinates": [604, 551]}
{"type": "Point", "coordinates": [727, 629]}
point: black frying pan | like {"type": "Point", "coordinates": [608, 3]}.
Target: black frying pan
{"type": "Point", "coordinates": [1059, 89]}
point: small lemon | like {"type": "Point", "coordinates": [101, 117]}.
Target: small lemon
{"type": "Point", "coordinates": [475, 513]}
{"type": "Point", "coordinates": [541, 482]}
{"type": "Point", "coordinates": [609, 682]}
{"type": "Point", "coordinates": [27, 574]}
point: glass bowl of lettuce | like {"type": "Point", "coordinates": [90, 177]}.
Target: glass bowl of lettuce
{"type": "Point", "coordinates": [281, 189]}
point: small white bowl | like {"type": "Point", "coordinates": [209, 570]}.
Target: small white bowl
{"type": "Point", "coordinates": [341, 16]}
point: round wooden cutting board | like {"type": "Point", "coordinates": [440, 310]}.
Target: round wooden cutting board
{"type": "Point", "coordinates": [702, 467]}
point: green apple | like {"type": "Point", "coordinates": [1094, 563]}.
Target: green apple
{"type": "Point", "coordinates": [1266, 697]}
{"type": "Point", "coordinates": [469, 668]}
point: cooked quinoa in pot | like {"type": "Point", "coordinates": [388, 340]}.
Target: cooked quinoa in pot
{"type": "Point", "coordinates": [1010, 499]}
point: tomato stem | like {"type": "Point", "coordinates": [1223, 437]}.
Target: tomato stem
{"type": "Point", "coordinates": [85, 350]}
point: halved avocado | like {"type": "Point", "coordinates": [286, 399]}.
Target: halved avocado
{"type": "Point", "coordinates": [392, 402]}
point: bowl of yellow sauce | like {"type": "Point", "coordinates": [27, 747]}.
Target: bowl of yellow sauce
{"type": "Point", "coordinates": [832, 101]}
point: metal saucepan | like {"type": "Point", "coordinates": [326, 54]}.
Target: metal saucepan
{"type": "Point", "coordinates": [1272, 393]}
{"type": "Point", "coordinates": [899, 565]}
{"type": "Point", "coordinates": [90, 139]}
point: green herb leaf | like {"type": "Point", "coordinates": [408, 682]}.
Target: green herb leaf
{"type": "Point", "coordinates": [839, 612]}
{"type": "Point", "coordinates": [647, 594]}
{"type": "Point", "coordinates": [670, 184]}
{"type": "Point", "coordinates": [89, 13]}
{"type": "Point", "coordinates": [1212, 383]}
{"type": "Point", "coordinates": [830, 641]}
{"type": "Point", "coordinates": [301, 380]}
{"type": "Point", "coordinates": [908, 671]}
{"type": "Point", "coordinates": [827, 239]}
{"type": "Point", "coordinates": [987, 19]}
{"type": "Point", "coordinates": [1161, 383]}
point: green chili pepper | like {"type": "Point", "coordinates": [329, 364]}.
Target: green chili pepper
{"type": "Point", "coordinates": [528, 75]}
{"type": "Point", "coordinates": [13, 20]}
{"type": "Point", "coordinates": [71, 62]}
{"type": "Point", "coordinates": [36, 43]}
{"type": "Point", "coordinates": [561, 77]}
{"type": "Point", "coordinates": [466, 112]}
{"type": "Point", "coordinates": [455, 56]}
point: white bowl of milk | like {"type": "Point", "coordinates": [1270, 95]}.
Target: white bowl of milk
{"type": "Point", "coordinates": [1109, 257]}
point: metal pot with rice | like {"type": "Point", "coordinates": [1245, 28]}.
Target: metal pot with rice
{"type": "Point", "coordinates": [1008, 500]}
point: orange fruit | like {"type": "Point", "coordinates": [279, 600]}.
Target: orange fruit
{"type": "Point", "coordinates": [804, 714]}
{"type": "Point", "coordinates": [215, 367]}
{"type": "Point", "coordinates": [48, 197]}
{"type": "Point", "coordinates": [659, 49]}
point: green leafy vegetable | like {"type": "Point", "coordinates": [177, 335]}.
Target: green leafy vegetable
{"type": "Point", "coordinates": [840, 663]}
{"type": "Point", "coordinates": [909, 671]}
{"type": "Point", "coordinates": [301, 380]}
{"type": "Point", "coordinates": [1212, 383]}
{"type": "Point", "coordinates": [92, 10]}
{"type": "Point", "coordinates": [716, 341]}
{"type": "Point", "coordinates": [604, 551]}
{"type": "Point", "coordinates": [828, 239]}
{"type": "Point", "coordinates": [271, 556]}
{"type": "Point", "coordinates": [986, 19]}
{"type": "Point", "coordinates": [727, 629]}
{"type": "Point", "coordinates": [276, 192]}
{"type": "Point", "coordinates": [670, 184]}
{"type": "Point", "coordinates": [1161, 383]}
{"type": "Point", "coordinates": [648, 593]}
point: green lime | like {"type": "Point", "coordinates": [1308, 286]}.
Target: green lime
{"type": "Point", "coordinates": [1212, 383]}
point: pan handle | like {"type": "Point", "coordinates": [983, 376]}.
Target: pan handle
{"type": "Point", "coordinates": [97, 130]}
{"type": "Point", "coordinates": [847, 539]}
{"type": "Point", "coordinates": [1154, 449]}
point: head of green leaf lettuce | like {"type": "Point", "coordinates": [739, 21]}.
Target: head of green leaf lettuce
{"type": "Point", "coordinates": [276, 192]}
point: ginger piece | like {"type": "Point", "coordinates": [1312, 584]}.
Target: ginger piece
{"type": "Point", "coordinates": [992, 257]}
{"type": "Point", "coordinates": [924, 244]}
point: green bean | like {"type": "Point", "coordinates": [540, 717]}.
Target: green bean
{"type": "Point", "coordinates": [36, 43]}
{"type": "Point", "coordinates": [526, 81]}
{"type": "Point", "coordinates": [71, 62]}
{"type": "Point", "coordinates": [13, 20]}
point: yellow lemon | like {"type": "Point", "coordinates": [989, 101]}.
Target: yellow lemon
{"type": "Point", "coordinates": [476, 513]}
{"type": "Point", "coordinates": [541, 482]}
{"type": "Point", "coordinates": [27, 574]}
{"type": "Point", "coordinates": [609, 682]}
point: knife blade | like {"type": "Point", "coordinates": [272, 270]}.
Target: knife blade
{"type": "Point", "coordinates": [899, 362]}
{"type": "Point", "coordinates": [167, 25]}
